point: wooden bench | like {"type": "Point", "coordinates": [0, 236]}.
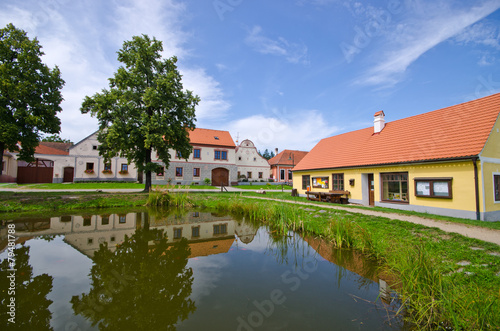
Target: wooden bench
{"type": "Point", "coordinates": [334, 196]}
{"type": "Point", "coordinates": [339, 196]}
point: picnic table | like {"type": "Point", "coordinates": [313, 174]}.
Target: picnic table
{"type": "Point", "coordinates": [334, 196]}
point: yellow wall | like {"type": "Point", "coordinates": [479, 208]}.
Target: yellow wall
{"type": "Point", "coordinates": [491, 165]}
{"type": "Point", "coordinates": [462, 185]}
{"type": "Point", "coordinates": [489, 169]}
{"type": "Point", "coordinates": [492, 147]}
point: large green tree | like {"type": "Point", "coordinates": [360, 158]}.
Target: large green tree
{"type": "Point", "coordinates": [30, 93]}
{"type": "Point", "coordinates": [145, 108]}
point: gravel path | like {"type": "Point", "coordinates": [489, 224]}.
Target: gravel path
{"type": "Point", "coordinates": [484, 234]}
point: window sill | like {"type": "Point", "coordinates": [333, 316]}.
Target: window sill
{"type": "Point", "coordinates": [399, 202]}
{"type": "Point", "coordinates": [433, 197]}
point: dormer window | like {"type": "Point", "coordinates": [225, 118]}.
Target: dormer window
{"type": "Point", "coordinates": [216, 138]}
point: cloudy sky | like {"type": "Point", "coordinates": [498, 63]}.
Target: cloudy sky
{"type": "Point", "coordinates": [284, 73]}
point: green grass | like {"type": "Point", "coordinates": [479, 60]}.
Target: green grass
{"type": "Point", "coordinates": [78, 186]}
{"type": "Point", "coordinates": [287, 197]}
{"type": "Point", "coordinates": [266, 187]}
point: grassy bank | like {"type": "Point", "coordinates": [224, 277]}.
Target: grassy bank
{"type": "Point", "coordinates": [13, 202]}
{"type": "Point", "coordinates": [444, 281]}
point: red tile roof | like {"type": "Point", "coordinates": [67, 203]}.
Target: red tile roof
{"type": "Point", "coordinates": [46, 150]}
{"type": "Point", "coordinates": [287, 157]}
{"type": "Point", "coordinates": [62, 146]}
{"type": "Point", "coordinates": [211, 137]}
{"type": "Point", "coordinates": [449, 133]}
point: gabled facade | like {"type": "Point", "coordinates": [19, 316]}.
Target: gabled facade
{"type": "Point", "coordinates": [88, 165]}
{"type": "Point", "coordinates": [283, 163]}
{"type": "Point", "coordinates": [213, 157]}
{"type": "Point", "coordinates": [443, 162]}
{"type": "Point", "coordinates": [251, 165]}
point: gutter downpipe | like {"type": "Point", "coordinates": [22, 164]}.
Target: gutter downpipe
{"type": "Point", "coordinates": [476, 184]}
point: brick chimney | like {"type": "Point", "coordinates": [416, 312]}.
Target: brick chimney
{"type": "Point", "coordinates": [378, 121]}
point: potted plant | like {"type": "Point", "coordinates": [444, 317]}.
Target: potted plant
{"type": "Point", "coordinates": [89, 171]}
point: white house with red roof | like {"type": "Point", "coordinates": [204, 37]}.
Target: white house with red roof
{"type": "Point", "coordinates": [444, 162]}
{"type": "Point", "coordinates": [251, 165]}
{"type": "Point", "coordinates": [213, 157]}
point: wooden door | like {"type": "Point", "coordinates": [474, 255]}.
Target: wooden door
{"type": "Point", "coordinates": [38, 171]}
{"type": "Point", "coordinates": [220, 176]}
{"type": "Point", "coordinates": [371, 190]}
{"type": "Point", "coordinates": [68, 174]}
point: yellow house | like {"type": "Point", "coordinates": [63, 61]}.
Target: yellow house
{"type": "Point", "coordinates": [444, 162]}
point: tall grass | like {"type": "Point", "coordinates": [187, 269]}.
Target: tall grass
{"type": "Point", "coordinates": [162, 197]}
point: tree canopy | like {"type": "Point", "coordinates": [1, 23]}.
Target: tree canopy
{"type": "Point", "coordinates": [30, 93]}
{"type": "Point", "coordinates": [267, 155]}
{"type": "Point", "coordinates": [55, 138]}
{"type": "Point", "coordinates": [145, 108]}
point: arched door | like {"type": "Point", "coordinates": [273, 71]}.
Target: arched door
{"type": "Point", "coordinates": [220, 176]}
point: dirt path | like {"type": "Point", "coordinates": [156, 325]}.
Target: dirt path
{"type": "Point", "coordinates": [485, 234]}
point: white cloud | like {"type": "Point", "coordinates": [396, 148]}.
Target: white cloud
{"type": "Point", "coordinates": [292, 52]}
{"type": "Point", "coordinates": [480, 34]}
{"type": "Point", "coordinates": [213, 104]}
{"type": "Point", "coordinates": [415, 36]}
{"type": "Point", "coordinates": [282, 130]}
{"type": "Point", "coordinates": [83, 38]}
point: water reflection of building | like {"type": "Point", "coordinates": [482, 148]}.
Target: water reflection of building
{"type": "Point", "coordinates": [353, 261]}
{"type": "Point", "coordinates": [206, 233]}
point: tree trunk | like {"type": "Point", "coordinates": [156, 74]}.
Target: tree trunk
{"type": "Point", "coordinates": [2, 147]}
{"type": "Point", "coordinates": [147, 187]}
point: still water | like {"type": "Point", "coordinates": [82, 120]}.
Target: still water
{"type": "Point", "coordinates": [188, 271]}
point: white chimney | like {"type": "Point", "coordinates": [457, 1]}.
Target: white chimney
{"type": "Point", "coordinates": [378, 121]}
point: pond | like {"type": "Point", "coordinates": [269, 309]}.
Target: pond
{"type": "Point", "coordinates": [191, 270]}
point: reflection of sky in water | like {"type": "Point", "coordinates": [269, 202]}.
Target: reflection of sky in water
{"type": "Point", "coordinates": [228, 286]}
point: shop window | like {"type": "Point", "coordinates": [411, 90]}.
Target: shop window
{"type": "Point", "coordinates": [320, 182]}
{"type": "Point", "coordinates": [395, 187]}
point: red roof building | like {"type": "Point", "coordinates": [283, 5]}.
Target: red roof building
{"type": "Point", "coordinates": [283, 163]}
{"type": "Point", "coordinates": [445, 161]}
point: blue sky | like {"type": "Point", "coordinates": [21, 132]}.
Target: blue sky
{"type": "Point", "coordinates": [283, 73]}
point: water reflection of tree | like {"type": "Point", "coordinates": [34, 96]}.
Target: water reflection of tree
{"type": "Point", "coordinates": [32, 306]}
{"type": "Point", "coordinates": [143, 285]}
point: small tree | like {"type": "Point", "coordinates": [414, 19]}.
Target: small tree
{"type": "Point", "coordinates": [145, 108]}
{"type": "Point", "coordinates": [30, 95]}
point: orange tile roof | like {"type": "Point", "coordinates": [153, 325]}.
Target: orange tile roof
{"type": "Point", "coordinates": [46, 150]}
{"type": "Point", "coordinates": [287, 157]}
{"type": "Point", "coordinates": [449, 133]}
{"type": "Point", "coordinates": [211, 137]}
